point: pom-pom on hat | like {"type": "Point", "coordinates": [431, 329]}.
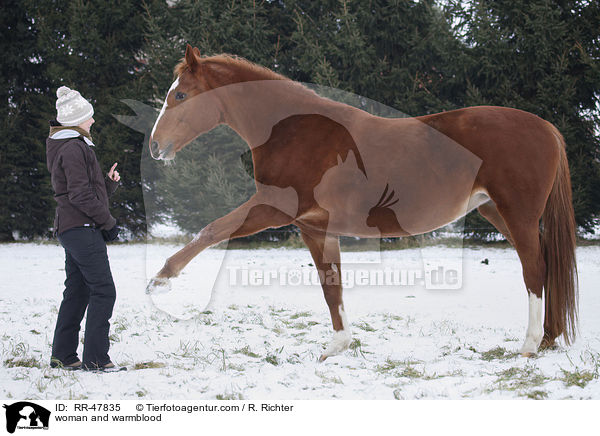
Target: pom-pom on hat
{"type": "Point", "coordinates": [71, 108]}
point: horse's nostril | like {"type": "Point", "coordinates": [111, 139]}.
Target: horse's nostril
{"type": "Point", "coordinates": [154, 147]}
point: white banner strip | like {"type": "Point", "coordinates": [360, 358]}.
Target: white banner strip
{"type": "Point", "coordinates": [299, 417]}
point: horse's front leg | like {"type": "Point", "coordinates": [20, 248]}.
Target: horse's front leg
{"type": "Point", "coordinates": [251, 217]}
{"type": "Point", "coordinates": [325, 251]}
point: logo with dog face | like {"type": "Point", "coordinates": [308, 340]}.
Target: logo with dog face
{"type": "Point", "coordinates": [26, 415]}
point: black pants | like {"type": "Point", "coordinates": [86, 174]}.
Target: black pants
{"type": "Point", "coordinates": [90, 285]}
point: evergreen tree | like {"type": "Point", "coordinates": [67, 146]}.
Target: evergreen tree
{"type": "Point", "coordinates": [93, 47]}
{"type": "Point", "coordinates": [210, 177]}
{"type": "Point", "coordinates": [25, 195]}
{"type": "Point", "coordinates": [400, 53]}
{"type": "Point", "coordinates": [542, 56]}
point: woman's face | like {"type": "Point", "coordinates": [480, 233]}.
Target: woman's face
{"type": "Point", "coordinates": [87, 124]}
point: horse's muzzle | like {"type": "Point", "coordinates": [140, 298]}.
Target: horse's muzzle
{"type": "Point", "coordinates": [165, 154]}
{"type": "Point", "coordinates": [154, 148]}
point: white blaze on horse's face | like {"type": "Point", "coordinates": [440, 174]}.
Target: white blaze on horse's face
{"type": "Point", "coordinates": [174, 85]}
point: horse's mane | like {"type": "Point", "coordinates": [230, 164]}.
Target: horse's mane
{"type": "Point", "coordinates": [225, 59]}
{"type": "Point", "coordinates": [249, 70]}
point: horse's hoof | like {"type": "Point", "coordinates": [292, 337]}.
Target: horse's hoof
{"type": "Point", "coordinates": [528, 354]}
{"type": "Point", "coordinates": [340, 343]}
{"type": "Point", "coordinates": [158, 285]}
{"type": "Point", "coordinates": [548, 344]}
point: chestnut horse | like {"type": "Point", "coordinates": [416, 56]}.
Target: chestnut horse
{"type": "Point", "coordinates": [332, 169]}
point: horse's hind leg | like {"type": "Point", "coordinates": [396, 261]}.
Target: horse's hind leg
{"type": "Point", "coordinates": [325, 251]}
{"type": "Point", "coordinates": [525, 234]}
{"type": "Point", "coordinates": [251, 217]}
{"type": "Point", "coordinates": [489, 211]}
{"type": "Point", "coordinates": [534, 269]}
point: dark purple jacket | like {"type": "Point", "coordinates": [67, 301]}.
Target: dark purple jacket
{"type": "Point", "coordinates": [80, 188]}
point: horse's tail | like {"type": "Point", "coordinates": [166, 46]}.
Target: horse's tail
{"type": "Point", "coordinates": [558, 248]}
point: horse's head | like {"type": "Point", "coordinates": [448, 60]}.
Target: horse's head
{"type": "Point", "coordinates": [188, 110]}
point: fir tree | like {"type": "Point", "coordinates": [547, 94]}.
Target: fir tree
{"type": "Point", "coordinates": [542, 56]}
{"type": "Point", "coordinates": [94, 47]}
{"type": "Point", "coordinates": [25, 196]}
{"type": "Point", "coordinates": [209, 177]}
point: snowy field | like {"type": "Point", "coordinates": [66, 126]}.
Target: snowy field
{"type": "Point", "coordinates": [263, 342]}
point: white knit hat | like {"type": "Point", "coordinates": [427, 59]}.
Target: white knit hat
{"type": "Point", "coordinates": [72, 109]}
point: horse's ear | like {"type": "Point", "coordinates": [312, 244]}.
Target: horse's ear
{"type": "Point", "coordinates": [196, 51]}
{"type": "Point", "coordinates": [190, 57]}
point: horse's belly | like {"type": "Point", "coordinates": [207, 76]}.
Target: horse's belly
{"type": "Point", "coordinates": [393, 221]}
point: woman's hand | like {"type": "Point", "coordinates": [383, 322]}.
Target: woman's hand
{"type": "Point", "coordinates": [114, 174]}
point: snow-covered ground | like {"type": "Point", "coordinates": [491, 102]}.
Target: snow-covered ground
{"type": "Point", "coordinates": [263, 342]}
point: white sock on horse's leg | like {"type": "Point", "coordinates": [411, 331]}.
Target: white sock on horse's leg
{"type": "Point", "coordinates": [341, 338]}
{"type": "Point", "coordinates": [535, 328]}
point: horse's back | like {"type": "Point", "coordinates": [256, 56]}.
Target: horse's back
{"type": "Point", "coordinates": [486, 130]}
{"type": "Point", "coordinates": [518, 149]}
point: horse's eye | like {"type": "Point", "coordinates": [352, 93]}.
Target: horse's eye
{"type": "Point", "coordinates": [180, 96]}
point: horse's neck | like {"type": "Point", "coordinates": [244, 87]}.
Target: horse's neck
{"type": "Point", "coordinates": [253, 108]}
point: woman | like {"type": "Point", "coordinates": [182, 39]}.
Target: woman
{"type": "Point", "coordinates": [83, 224]}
